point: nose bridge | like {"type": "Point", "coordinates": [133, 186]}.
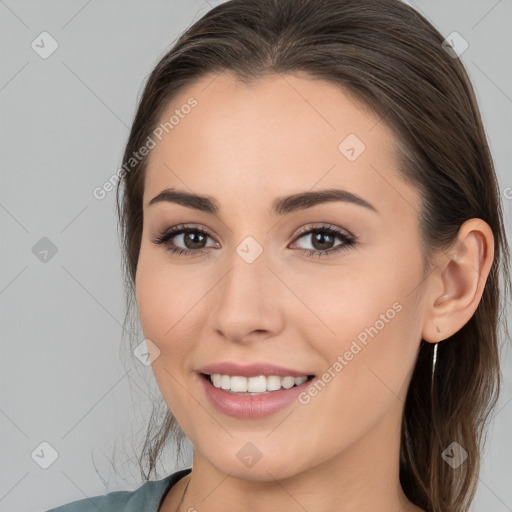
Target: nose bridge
{"type": "Point", "coordinates": [247, 298]}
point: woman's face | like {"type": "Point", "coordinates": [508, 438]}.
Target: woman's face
{"type": "Point", "coordinates": [256, 290]}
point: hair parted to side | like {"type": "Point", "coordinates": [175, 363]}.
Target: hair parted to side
{"type": "Point", "coordinates": [386, 54]}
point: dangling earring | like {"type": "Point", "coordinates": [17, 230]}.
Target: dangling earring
{"type": "Point", "coordinates": [434, 360]}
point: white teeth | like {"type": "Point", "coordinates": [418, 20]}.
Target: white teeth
{"type": "Point", "coordinates": [225, 382]}
{"type": "Point", "coordinates": [287, 382]}
{"type": "Point", "coordinates": [273, 383]}
{"type": "Point", "coordinates": [300, 380]}
{"type": "Point", "coordinates": [239, 384]}
{"type": "Point", "coordinates": [255, 385]}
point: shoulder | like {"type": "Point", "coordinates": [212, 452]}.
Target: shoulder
{"type": "Point", "coordinates": [146, 498]}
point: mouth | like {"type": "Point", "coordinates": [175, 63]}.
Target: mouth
{"type": "Point", "coordinates": [251, 386]}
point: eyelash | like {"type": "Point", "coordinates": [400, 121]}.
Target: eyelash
{"type": "Point", "coordinates": [348, 240]}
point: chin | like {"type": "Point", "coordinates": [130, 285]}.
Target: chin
{"type": "Point", "coordinates": [258, 461]}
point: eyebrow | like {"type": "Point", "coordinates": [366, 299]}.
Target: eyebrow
{"type": "Point", "coordinates": [280, 206]}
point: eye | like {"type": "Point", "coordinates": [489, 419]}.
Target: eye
{"type": "Point", "coordinates": [192, 240]}
{"type": "Point", "coordinates": [192, 237]}
{"type": "Point", "coordinates": [322, 239]}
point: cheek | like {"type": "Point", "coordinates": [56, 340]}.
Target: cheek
{"type": "Point", "coordinates": [371, 300]}
{"type": "Point", "coordinates": [366, 372]}
{"type": "Point", "coordinates": [170, 301]}
{"type": "Point", "coordinates": [151, 299]}
{"type": "Point", "coordinates": [367, 329]}
{"type": "Point", "coordinates": [164, 294]}
{"type": "Point", "coordinates": [162, 306]}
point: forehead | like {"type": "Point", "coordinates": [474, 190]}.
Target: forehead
{"type": "Point", "coordinates": [278, 135]}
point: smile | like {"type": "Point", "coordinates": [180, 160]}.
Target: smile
{"type": "Point", "coordinates": [279, 393]}
{"type": "Point", "coordinates": [255, 385]}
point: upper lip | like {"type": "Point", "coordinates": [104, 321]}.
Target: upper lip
{"type": "Point", "coordinates": [251, 370]}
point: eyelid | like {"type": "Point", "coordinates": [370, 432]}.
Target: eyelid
{"type": "Point", "coordinates": [179, 229]}
{"type": "Point", "coordinates": [347, 238]}
{"type": "Point", "coordinates": [314, 226]}
{"type": "Point", "coordinates": [308, 228]}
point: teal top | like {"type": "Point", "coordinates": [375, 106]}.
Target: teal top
{"type": "Point", "coordinates": [147, 498]}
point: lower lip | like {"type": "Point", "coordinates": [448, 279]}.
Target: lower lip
{"type": "Point", "coordinates": [251, 406]}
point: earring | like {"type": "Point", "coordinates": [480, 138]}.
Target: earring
{"type": "Point", "coordinates": [434, 359]}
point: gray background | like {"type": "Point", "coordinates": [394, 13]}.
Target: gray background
{"type": "Point", "coordinates": [64, 121]}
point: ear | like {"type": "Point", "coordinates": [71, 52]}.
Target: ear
{"type": "Point", "coordinates": [458, 281]}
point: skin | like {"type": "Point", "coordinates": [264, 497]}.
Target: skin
{"type": "Point", "coordinates": [244, 146]}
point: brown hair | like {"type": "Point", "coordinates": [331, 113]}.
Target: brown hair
{"type": "Point", "coordinates": [388, 55]}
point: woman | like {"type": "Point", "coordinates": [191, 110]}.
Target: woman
{"type": "Point", "coordinates": [313, 236]}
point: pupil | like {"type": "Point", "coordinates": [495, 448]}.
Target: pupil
{"type": "Point", "coordinates": [318, 237]}
{"type": "Point", "coordinates": [194, 237]}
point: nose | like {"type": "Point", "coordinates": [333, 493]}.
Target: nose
{"type": "Point", "coordinates": [248, 301]}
